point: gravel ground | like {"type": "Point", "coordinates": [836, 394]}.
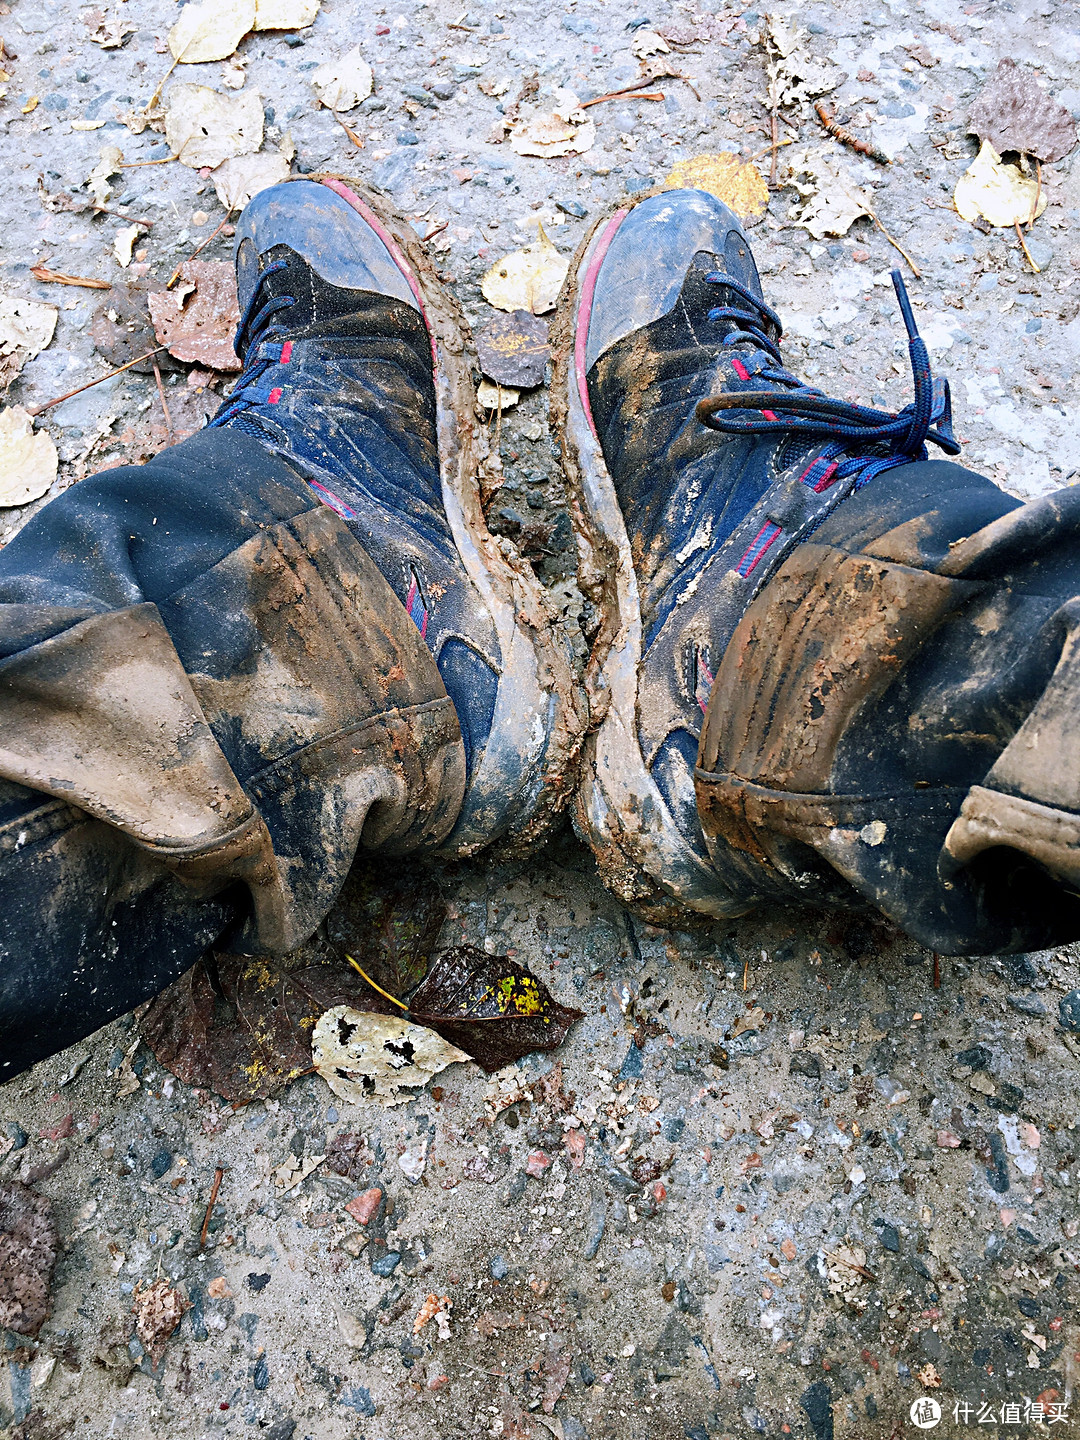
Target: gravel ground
{"type": "Point", "coordinates": [820, 1177]}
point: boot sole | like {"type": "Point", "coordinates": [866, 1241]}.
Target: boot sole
{"type": "Point", "coordinates": [618, 809]}
{"type": "Point", "coordinates": [521, 783]}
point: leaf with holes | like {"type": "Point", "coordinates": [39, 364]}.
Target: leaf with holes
{"type": "Point", "coordinates": [493, 1008]}
{"type": "Point", "coordinates": [1000, 193]}
{"type": "Point", "coordinates": [198, 319]}
{"type": "Point", "coordinates": [204, 127]}
{"type": "Point", "coordinates": [366, 1056]}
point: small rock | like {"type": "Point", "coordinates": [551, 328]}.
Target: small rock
{"type": "Point", "coordinates": [261, 1376]}
{"type": "Point", "coordinates": [1040, 252]}
{"type": "Point", "coordinates": [281, 1430]}
{"type": "Point", "coordinates": [364, 1206]}
{"type": "Point", "coordinates": [579, 211]}
{"type": "Point", "coordinates": [407, 137]}
{"type": "Point", "coordinates": [1027, 1004]}
{"type": "Point", "coordinates": [976, 1057]}
{"type": "Point", "coordinates": [444, 90]}
{"type": "Point", "coordinates": [386, 1264]}
{"type": "Point", "coordinates": [536, 1164]}
{"type": "Point", "coordinates": [890, 1239]}
{"type": "Point", "coordinates": [804, 1062]}
{"type": "Point", "coordinates": [257, 1282]}
{"type": "Point", "coordinates": [498, 1268]}
{"type": "Point", "coordinates": [594, 1230]}
{"type": "Point", "coordinates": [1069, 1012]}
{"type": "Point", "coordinates": [161, 1164]}
{"type": "Point", "coordinates": [16, 1134]}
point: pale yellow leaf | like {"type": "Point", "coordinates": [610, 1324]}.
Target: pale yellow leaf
{"type": "Point", "coordinates": [648, 42]}
{"type": "Point", "coordinates": [87, 124]}
{"type": "Point", "coordinates": [738, 183]}
{"type": "Point", "coordinates": [242, 177]}
{"type": "Point", "coordinates": [1001, 194]}
{"type": "Point", "coordinates": [363, 1056]}
{"type": "Point", "coordinates": [204, 127]}
{"type": "Point", "coordinates": [527, 279]}
{"type": "Point", "coordinates": [27, 458]}
{"type": "Point", "coordinates": [123, 241]}
{"type": "Point", "coordinates": [285, 14]}
{"type": "Point", "coordinates": [496, 397]}
{"type": "Point", "coordinates": [210, 30]}
{"type": "Point", "coordinates": [342, 84]}
{"type": "Point", "coordinates": [112, 157]}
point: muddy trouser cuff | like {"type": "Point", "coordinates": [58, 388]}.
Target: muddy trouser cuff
{"type": "Point", "coordinates": [204, 761]}
{"type": "Point", "coordinates": [896, 721]}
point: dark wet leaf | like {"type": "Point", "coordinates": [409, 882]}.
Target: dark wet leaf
{"type": "Point", "coordinates": [489, 1006]}
{"type": "Point", "coordinates": [514, 349]}
{"type": "Point", "coordinates": [388, 919]}
{"type": "Point", "coordinates": [121, 328]}
{"type": "Point", "coordinates": [1014, 114]}
{"type": "Point", "coordinates": [28, 1244]}
{"type": "Point", "coordinates": [243, 1027]}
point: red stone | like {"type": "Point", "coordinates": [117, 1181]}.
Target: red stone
{"type": "Point", "coordinates": [364, 1206]}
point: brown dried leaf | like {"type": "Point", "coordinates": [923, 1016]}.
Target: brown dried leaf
{"type": "Point", "coordinates": [121, 328]}
{"type": "Point", "coordinates": [28, 1244]}
{"type": "Point", "coordinates": [158, 1309]}
{"type": "Point", "coordinates": [199, 326]}
{"type": "Point", "coordinates": [1014, 114]}
{"type": "Point", "coordinates": [514, 349]}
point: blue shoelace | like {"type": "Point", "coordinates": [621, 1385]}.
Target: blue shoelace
{"type": "Point", "coordinates": [892, 438]}
{"type": "Point", "coordinates": [255, 333]}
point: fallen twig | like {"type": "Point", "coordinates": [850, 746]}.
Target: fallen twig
{"type": "Point", "coordinates": [349, 131]}
{"type": "Point", "coordinates": [218, 1175]}
{"type": "Point", "coordinates": [134, 164]}
{"type": "Point", "coordinates": [57, 277]}
{"type": "Point", "coordinates": [897, 246]}
{"type": "Point", "coordinates": [40, 409]}
{"type": "Point", "coordinates": [377, 988]}
{"type": "Point", "coordinates": [863, 147]}
{"type": "Point", "coordinates": [850, 1265]}
{"type": "Point", "coordinates": [197, 251]}
{"type": "Point", "coordinates": [618, 94]}
{"type": "Point", "coordinates": [1023, 246]}
{"type": "Point", "coordinates": [161, 397]}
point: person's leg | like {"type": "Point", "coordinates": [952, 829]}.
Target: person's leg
{"type": "Point", "coordinates": [290, 635]}
{"type": "Point", "coordinates": [838, 672]}
{"type": "Point", "coordinates": [208, 696]}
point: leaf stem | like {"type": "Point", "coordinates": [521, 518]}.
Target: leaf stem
{"type": "Point", "coordinates": [385, 994]}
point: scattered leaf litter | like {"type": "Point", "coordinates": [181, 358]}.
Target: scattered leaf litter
{"type": "Point", "coordinates": [1013, 113]}
{"type": "Point", "coordinates": [237, 180]}
{"type": "Point", "coordinates": [28, 1245]}
{"type": "Point", "coordinates": [198, 324]}
{"type": "Point", "coordinates": [565, 129]}
{"type": "Point", "coordinates": [831, 201]}
{"type": "Point", "coordinates": [158, 1310]}
{"type": "Point", "coordinates": [204, 127]}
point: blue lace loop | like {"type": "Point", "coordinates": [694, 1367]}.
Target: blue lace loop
{"type": "Point", "coordinates": [253, 337]}
{"type": "Point", "coordinates": [891, 438]}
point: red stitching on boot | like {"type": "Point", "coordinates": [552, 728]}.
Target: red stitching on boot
{"type": "Point", "coordinates": [286, 351]}
{"type": "Point", "coordinates": [275, 395]}
{"type": "Point", "coordinates": [739, 368]}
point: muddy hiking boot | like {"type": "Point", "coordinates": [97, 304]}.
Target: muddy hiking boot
{"type": "Point", "coordinates": [828, 669]}
{"type": "Point", "coordinates": [289, 636]}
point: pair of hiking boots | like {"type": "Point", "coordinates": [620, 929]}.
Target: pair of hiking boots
{"type": "Point", "coordinates": [826, 669]}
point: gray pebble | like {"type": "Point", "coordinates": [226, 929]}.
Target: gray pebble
{"type": "Point", "coordinates": [386, 1264]}
{"type": "Point", "coordinates": [15, 1132]}
{"type": "Point", "coordinates": [1027, 1004]}
{"type": "Point", "coordinates": [1069, 1012]}
{"type": "Point", "coordinates": [161, 1163]}
{"type": "Point", "coordinates": [594, 1231]}
{"type": "Point", "coordinates": [573, 207]}
{"type": "Point", "coordinates": [498, 1268]}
